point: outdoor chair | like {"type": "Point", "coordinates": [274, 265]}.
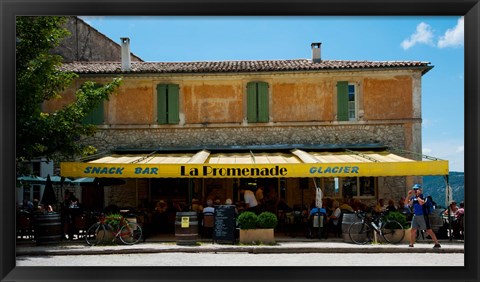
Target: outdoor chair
{"type": "Point", "coordinates": [80, 225]}
{"type": "Point", "coordinates": [208, 222]}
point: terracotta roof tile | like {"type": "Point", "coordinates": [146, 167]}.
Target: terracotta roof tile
{"type": "Point", "coordinates": [238, 66]}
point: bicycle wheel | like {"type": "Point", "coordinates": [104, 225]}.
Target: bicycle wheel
{"type": "Point", "coordinates": [130, 233]}
{"type": "Point", "coordinates": [95, 234]}
{"type": "Point", "coordinates": [359, 233]}
{"type": "Point", "coordinates": [393, 232]}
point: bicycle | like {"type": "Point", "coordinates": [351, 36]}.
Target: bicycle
{"type": "Point", "coordinates": [129, 233]}
{"type": "Point", "coordinates": [361, 232]}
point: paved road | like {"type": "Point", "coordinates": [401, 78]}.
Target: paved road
{"type": "Point", "coordinates": [247, 259]}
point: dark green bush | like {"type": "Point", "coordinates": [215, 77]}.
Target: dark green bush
{"type": "Point", "coordinates": [113, 220]}
{"type": "Point", "coordinates": [400, 217]}
{"type": "Point", "coordinates": [267, 220]}
{"type": "Point", "coordinates": [247, 220]}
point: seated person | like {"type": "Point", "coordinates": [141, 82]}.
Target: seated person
{"type": "Point", "coordinates": [207, 222]}
{"type": "Point", "coordinates": [457, 224]}
{"type": "Point", "coordinates": [334, 219]}
{"type": "Point", "coordinates": [380, 206]}
{"type": "Point", "coordinates": [229, 202]}
{"type": "Point", "coordinates": [312, 225]}
{"type": "Point", "coordinates": [391, 206]}
{"type": "Point", "coordinates": [209, 208]}
{"type": "Point", "coordinates": [346, 207]}
{"type": "Point", "coordinates": [161, 206]}
{"type": "Point", "coordinates": [196, 206]}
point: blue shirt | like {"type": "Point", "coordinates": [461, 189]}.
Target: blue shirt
{"type": "Point", "coordinates": [315, 210]}
{"type": "Point", "coordinates": [417, 208]}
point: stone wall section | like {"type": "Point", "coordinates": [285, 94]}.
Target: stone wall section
{"type": "Point", "coordinates": [121, 196]}
{"type": "Point", "coordinates": [141, 138]}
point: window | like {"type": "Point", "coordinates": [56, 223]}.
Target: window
{"type": "Point", "coordinates": [346, 101]}
{"type": "Point", "coordinates": [352, 106]}
{"type": "Point", "coordinates": [257, 102]}
{"type": "Point", "coordinates": [358, 187]}
{"type": "Point", "coordinates": [95, 116]}
{"type": "Point", "coordinates": [168, 104]}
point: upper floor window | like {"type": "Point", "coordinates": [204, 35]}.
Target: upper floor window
{"type": "Point", "coordinates": [168, 104]}
{"type": "Point", "coordinates": [346, 101]}
{"type": "Point", "coordinates": [257, 102]}
{"type": "Point", "coordinates": [95, 116]}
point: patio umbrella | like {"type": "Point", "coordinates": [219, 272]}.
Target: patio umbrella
{"type": "Point", "coordinates": [98, 181]}
{"type": "Point", "coordinates": [60, 180]}
{"type": "Point", "coordinates": [31, 179]}
{"type": "Point", "coordinates": [48, 194]}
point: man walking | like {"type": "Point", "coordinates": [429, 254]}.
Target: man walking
{"type": "Point", "coordinates": [416, 200]}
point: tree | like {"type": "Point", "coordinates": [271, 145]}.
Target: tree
{"type": "Point", "coordinates": [39, 78]}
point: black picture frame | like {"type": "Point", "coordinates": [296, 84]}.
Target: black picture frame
{"type": "Point", "coordinates": [9, 9]}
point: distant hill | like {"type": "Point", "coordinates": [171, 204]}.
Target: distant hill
{"type": "Point", "coordinates": [435, 186]}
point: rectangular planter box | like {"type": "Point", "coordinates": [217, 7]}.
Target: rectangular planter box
{"type": "Point", "coordinates": [257, 236]}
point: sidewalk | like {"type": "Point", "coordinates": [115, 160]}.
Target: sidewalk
{"type": "Point", "coordinates": [294, 245]}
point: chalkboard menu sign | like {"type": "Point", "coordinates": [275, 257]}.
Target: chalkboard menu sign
{"type": "Point", "coordinates": [224, 228]}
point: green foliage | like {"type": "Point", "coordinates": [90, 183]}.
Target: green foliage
{"type": "Point", "coordinates": [247, 220]}
{"type": "Point", "coordinates": [113, 220]}
{"type": "Point", "coordinates": [267, 220]}
{"type": "Point", "coordinates": [401, 218]}
{"type": "Point", "coordinates": [39, 78]}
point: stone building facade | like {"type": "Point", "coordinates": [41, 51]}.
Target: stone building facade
{"type": "Point", "coordinates": [303, 106]}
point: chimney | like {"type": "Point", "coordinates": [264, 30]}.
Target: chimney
{"type": "Point", "coordinates": [125, 53]}
{"type": "Point", "coordinates": [316, 58]}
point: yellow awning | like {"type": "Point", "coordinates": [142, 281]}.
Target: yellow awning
{"type": "Point", "coordinates": [296, 163]}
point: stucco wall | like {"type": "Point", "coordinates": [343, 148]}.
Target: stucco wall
{"type": "Point", "coordinates": [212, 101]}
{"type": "Point", "coordinates": [302, 110]}
{"type": "Point", "coordinates": [387, 98]}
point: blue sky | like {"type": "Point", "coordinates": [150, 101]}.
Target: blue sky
{"type": "Point", "coordinates": [435, 39]}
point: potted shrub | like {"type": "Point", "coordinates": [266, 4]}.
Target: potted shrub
{"type": "Point", "coordinates": [113, 223]}
{"type": "Point", "coordinates": [257, 229]}
{"type": "Point", "coordinates": [402, 219]}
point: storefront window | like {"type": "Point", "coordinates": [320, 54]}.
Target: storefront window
{"type": "Point", "coordinates": [358, 187]}
{"type": "Point", "coordinates": [331, 188]}
{"type": "Point", "coordinates": [367, 186]}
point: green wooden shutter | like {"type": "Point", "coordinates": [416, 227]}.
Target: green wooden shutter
{"type": "Point", "coordinates": [342, 100]}
{"type": "Point", "coordinates": [95, 116]}
{"type": "Point", "coordinates": [173, 104]}
{"type": "Point", "coordinates": [252, 102]}
{"type": "Point", "coordinates": [262, 92]}
{"type": "Point", "coordinates": [162, 103]}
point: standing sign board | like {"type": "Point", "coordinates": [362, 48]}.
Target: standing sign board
{"type": "Point", "coordinates": [224, 228]}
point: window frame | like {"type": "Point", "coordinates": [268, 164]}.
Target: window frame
{"type": "Point", "coordinates": [355, 102]}
{"type": "Point", "coordinates": [359, 191]}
